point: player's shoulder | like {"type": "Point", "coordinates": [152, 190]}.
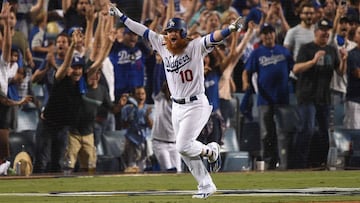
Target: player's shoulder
{"type": "Point", "coordinates": [195, 40]}
{"type": "Point", "coordinates": [197, 44]}
{"type": "Point", "coordinates": [155, 36]}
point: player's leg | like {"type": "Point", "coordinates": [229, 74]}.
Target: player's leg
{"type": "Point", "coordinates": [189, 121]}
{"type": "Point", "coordinates": [206, 186]}
{"type": "Point", "coordinates": [193, 120]}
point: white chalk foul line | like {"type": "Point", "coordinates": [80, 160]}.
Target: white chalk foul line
{"type": "Point", "coordinates": [262, 192]}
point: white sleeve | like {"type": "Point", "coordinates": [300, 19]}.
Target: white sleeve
{"type": "Point", "coordinates": [289, 38]}
{"type": "Point", "coordinates": [210, 43]}
{"type": "Point", "coordinates": [156, 40]}
{"type": "Point", "coordinates": [136, 27]}
{"type": "Point", "coordinates": [207, 47]}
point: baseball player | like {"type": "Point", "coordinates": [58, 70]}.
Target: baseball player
{"type": "Point", "coordinates": [184, 69]}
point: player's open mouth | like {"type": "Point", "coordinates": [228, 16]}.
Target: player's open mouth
{"type": "Point", "coordinates": [173, 39]}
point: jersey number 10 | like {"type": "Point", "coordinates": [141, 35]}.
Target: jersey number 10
{"type": "Point", "coordinates": [186, 76]}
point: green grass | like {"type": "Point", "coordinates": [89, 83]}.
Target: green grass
{"type": "Point", "coordinates": [224, 181]}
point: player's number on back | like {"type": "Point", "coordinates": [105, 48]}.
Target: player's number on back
{"type": "Point", "coordinates": [186, 76]}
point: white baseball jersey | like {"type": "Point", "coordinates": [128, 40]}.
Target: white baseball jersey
{"type": "Point", "coordinates": [183, 72]}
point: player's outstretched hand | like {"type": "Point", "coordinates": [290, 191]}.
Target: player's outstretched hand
{"type": "Point", "coordinates": [237, 25]}
{"type": "Point", "coordinates": [114, 11]}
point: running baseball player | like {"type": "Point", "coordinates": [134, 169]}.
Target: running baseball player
{"type": "Point", "coordinates": [191, 110]}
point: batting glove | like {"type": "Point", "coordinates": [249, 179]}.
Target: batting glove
{"type": "Point", "coordinates": [237, 25]}
{"type": "Point", "coordinates": [114, 11]}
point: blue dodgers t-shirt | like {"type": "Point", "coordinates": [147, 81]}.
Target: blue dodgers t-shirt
{"type": "Point", "coordinates": [129, 67]}
{"type": "Point", "coordinates": [273, 66]}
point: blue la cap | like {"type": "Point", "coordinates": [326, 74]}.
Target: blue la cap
{"type": "Point", "coordinates": [266, 28]}
{"type": "Point", "coordinates": [78, 61]}
{"type": "Point", "coordinates": [72, 29]}
{"type": "Point", "coordinates": [323, 24]}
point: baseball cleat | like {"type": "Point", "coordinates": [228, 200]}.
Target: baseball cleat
{"type": "Point", "coordinates": [202, 195]}
{"type": "Point", "coordinates": [215, 159]}
{"type": "Point", "coordinates": [205, 193]}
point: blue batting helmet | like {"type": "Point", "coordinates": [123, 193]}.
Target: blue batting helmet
{"type": "Point", "coordinates": [177, 24]}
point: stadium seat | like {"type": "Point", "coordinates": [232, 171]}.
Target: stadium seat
{"type": "Point", "coordinates": [230, 146]}
{"type": "Point", "coordinates": [230, 141]}
{"type": "Point", "coordinates": [114, 143]}
{"type": "Point", "coordinates": [236, 161]}
{"type": "Point", "coordinates": [112, 146]}
{"type": "Point", "coordinates": [28, 119]}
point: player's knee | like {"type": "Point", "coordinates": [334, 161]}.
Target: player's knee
{"type": "Point", "coordinates": [183, 149]}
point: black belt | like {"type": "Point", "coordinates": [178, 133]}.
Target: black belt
{"type": "Point", "coordinates": [169, 142]}
{"type": "Point", "coordinates": [183, 101]}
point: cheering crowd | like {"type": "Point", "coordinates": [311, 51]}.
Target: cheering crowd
{"type": "Point", "coordinates": [97, 75]}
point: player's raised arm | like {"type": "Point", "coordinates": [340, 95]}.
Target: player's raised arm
{"type": "Point", "coordinates": [217, 36]}
{"type": "Point", "coordinates": [134, 26]}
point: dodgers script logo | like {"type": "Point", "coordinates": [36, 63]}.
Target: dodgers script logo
{"type": "Point", "coordinates": [125, 57]}
{"type": "Point", "coordinates": [174, 64]}
{"type": "Point", "coordinates": [274, 59]}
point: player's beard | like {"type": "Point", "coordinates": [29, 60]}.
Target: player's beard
{"type": "Point", "coordinates": [178, 47]}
